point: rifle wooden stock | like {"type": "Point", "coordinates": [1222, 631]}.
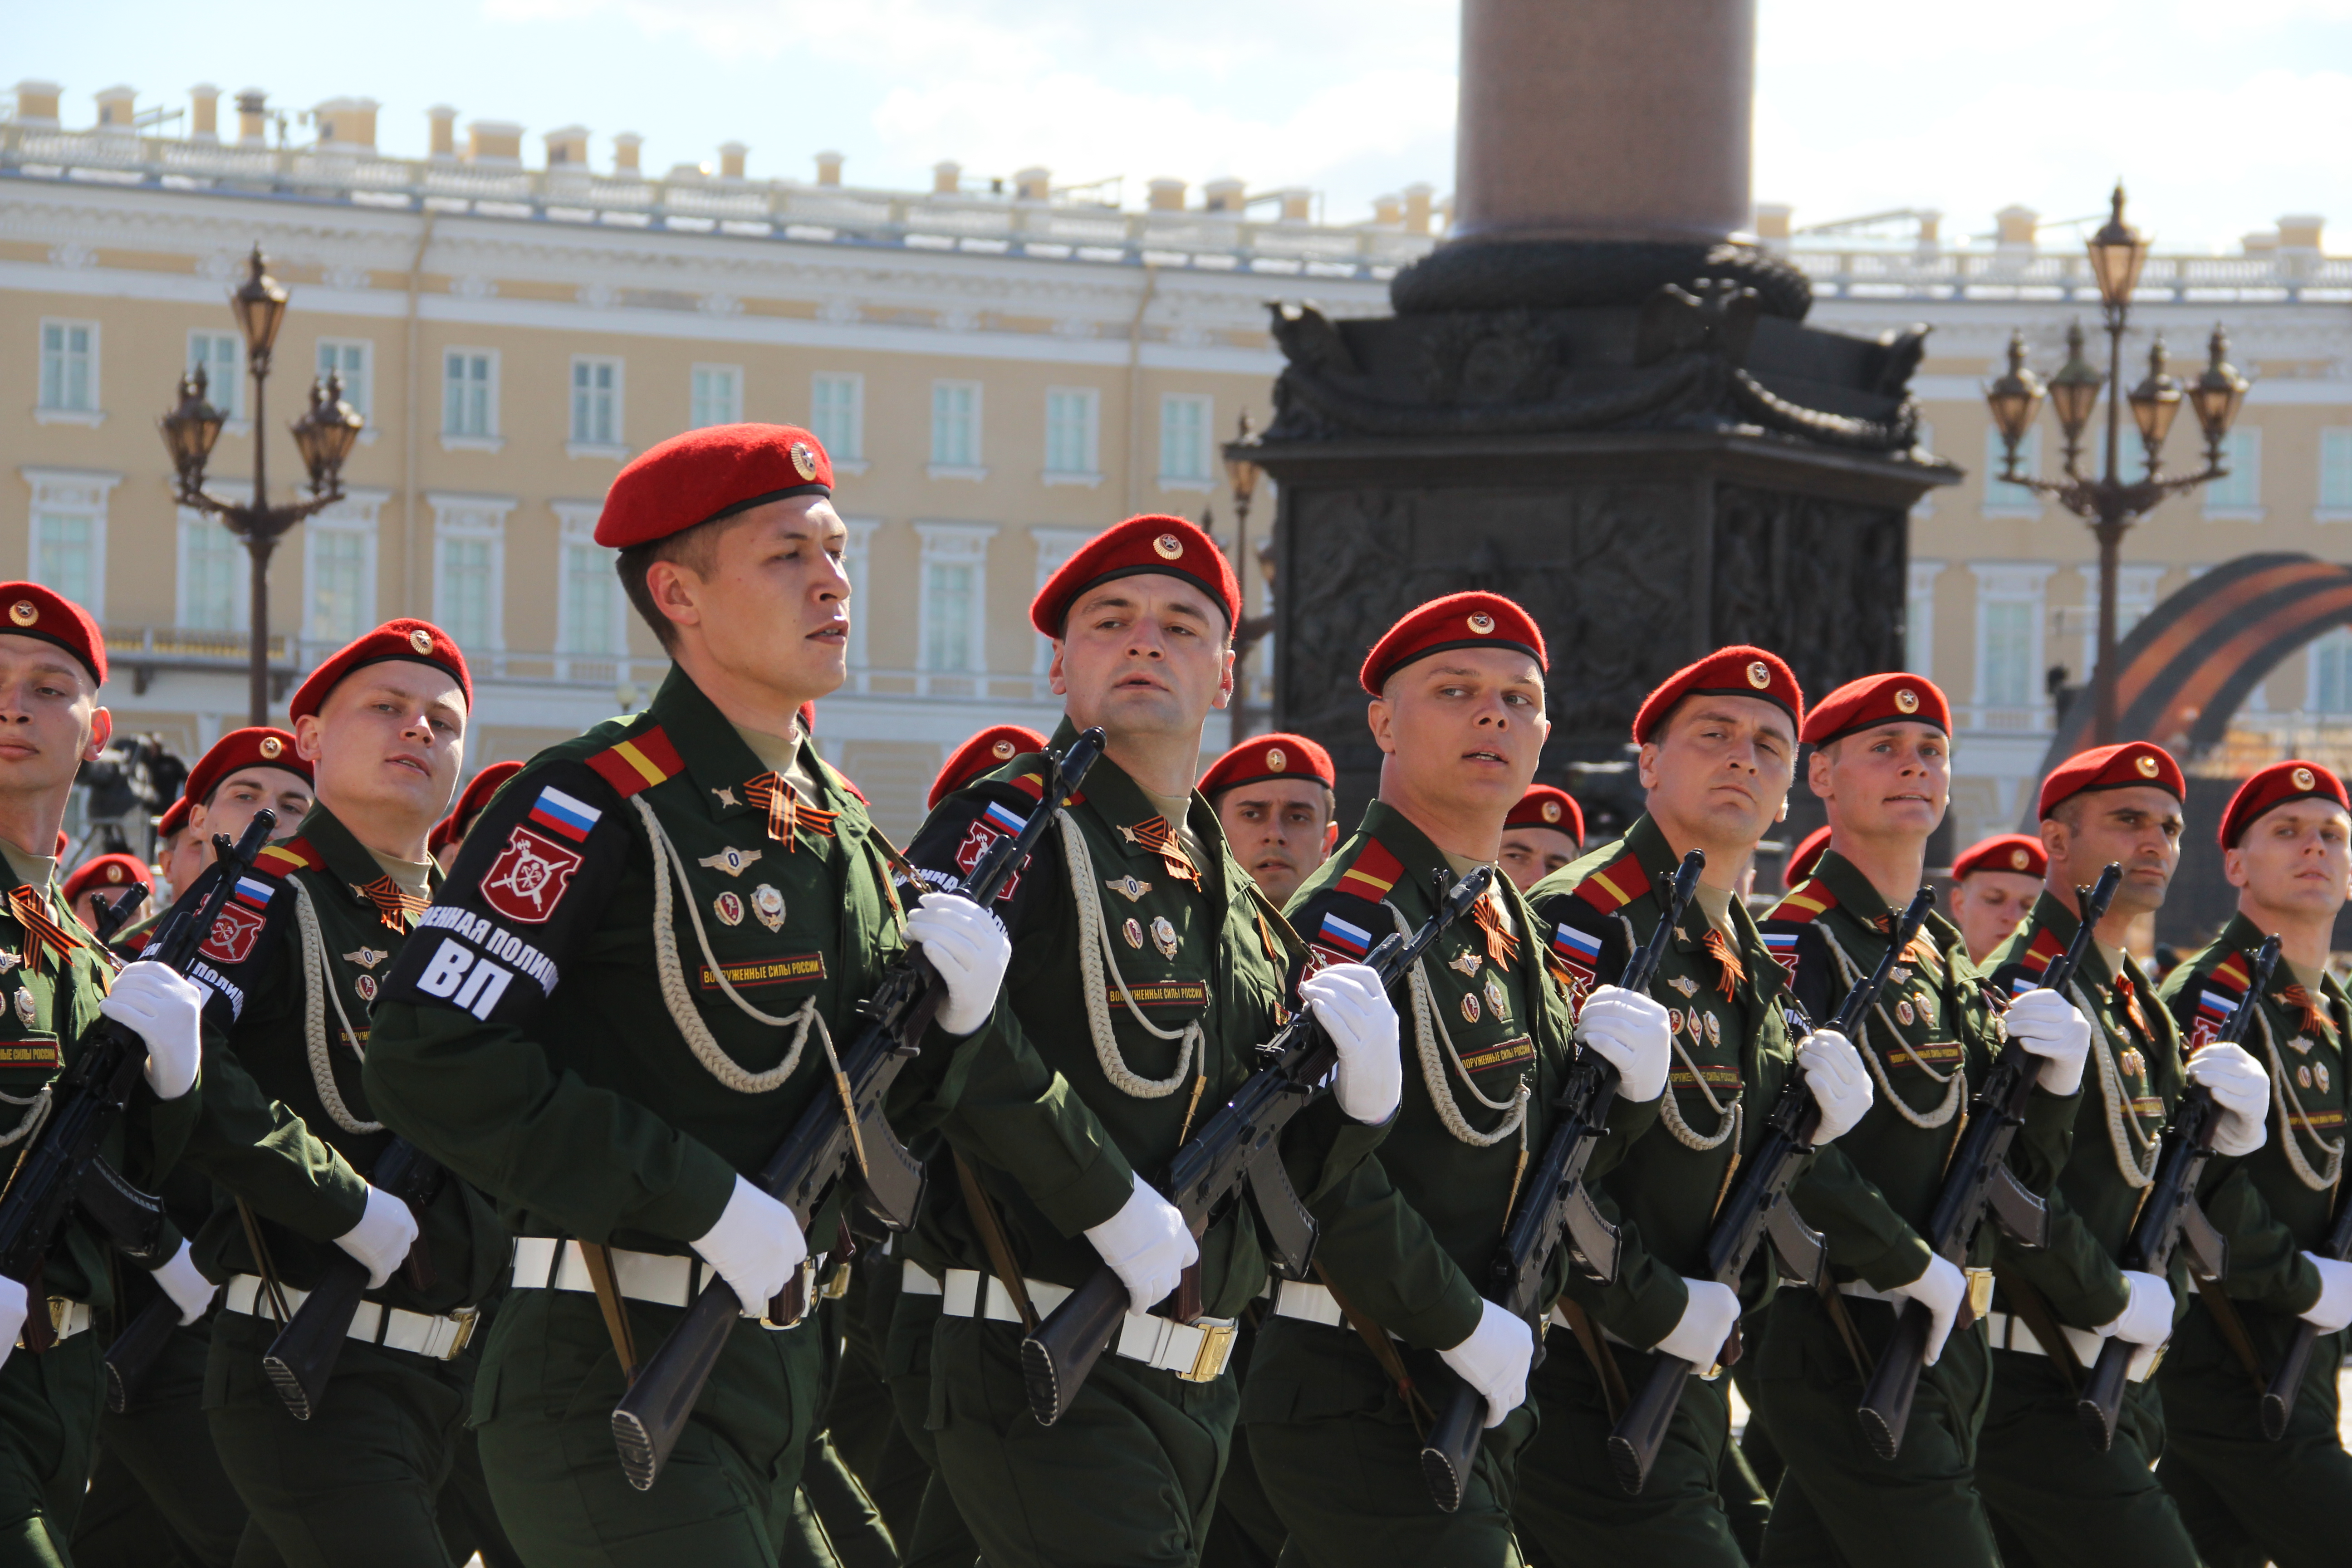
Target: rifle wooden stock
{"type": "Point", "coordinates": [131, 1358]}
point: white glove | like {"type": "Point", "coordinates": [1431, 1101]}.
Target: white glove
{"type": "Point", "coordinates": [1146, 1245]}
{"type": "Point", "coordinates": [1698, 1335]}
{"type": "Point", "coordinates": [1941, 1287]}
{"type": "Point", "coordinates": [2054, 1029]}
{"type": "Point", "coordinates": [2242, 1090]}
{"type": "Point", "coordinates": [1835, 1075]}
{"type": "Point", "coordinates": [755, 1246]}
{"type": "Point", "coordinates": [185, 1284]}
{"type": "Point", "coordinates": [2333, 1311]}
{"type": "Point", "coordinates": [2147, 1317]}
{"type": "Point", "coordinates": [1494, 1360]}
{"type": "Point", "coordinates": [1362, 1023]}
{"type": "Point", "coordinates": [12, 1315]}
{"type": "Point", "coordinates": [382, 1236]}
{"type": "Point", "coordinates": [969, 948]}
{"type": "Point", "coordinates": [165, 1008]}
{"type": "Point", "coordinates": [1629, 1030]}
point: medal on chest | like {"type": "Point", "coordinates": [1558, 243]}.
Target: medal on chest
{"type": "Point", "coordinates": [1164, 935]}
{"type": "Point", "coordinates": [768, 903]}
{"type": "Point", "coordinates": [2133, 1064]}
{"type": "Point", "coordinates": [28, 1010]}
{"type": "Point", "coordinates": [728, 907]}
{"type": "Point", "coordinates": [1495, 997]}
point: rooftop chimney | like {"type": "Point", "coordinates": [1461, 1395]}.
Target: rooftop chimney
{"type": "Point", "coordinates": [115, 108]}
{"type": "Point", "coordinates": [1772, 223]}
{"type": "Point", "coordinates": [494, 143]}
{"type": "Point", "coordinates": [624, 151]}
{"type": "Point", "coordinates": [945, 176]}
{"type": "Point", "coordinates": [2015, 226]}
{"type": "Point", "coordinates": [1387, 211]}
{"type": "Point", "coordinates": [36, 103]}
{"type": "Point", "coordinates": [1297, 204]}
{"type": "Point", "coordinates": [568, 148]}
{"type": "Point", "coordinates": [1416, 206]}
{"type": "Point", "coordinates": [1032, 184]}
{"type": "Point", "coordinates": [1223, 195]}
{"type": "Point", "coordinates": [347, 124]}
{"type": "Point", "coordinates": [828, 168]}
{"type": "Point", "coordinates": [1167, 195]}
{"type": "Point", "coordinates": [253, 118]}
{"type": "Point", "coordinates": [2300, 232]}
{"type": "Point", "coordinates": [1930, 230]}
{"type": "Point", "coordinates": [204, 104]}
{"type": "Point", "coordinates": [730, 160]}
{"type": "Point", "coordinates": [444, 131]}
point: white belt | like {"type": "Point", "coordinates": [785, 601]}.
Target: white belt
{"type": "Point", "coordinates": [1196, 1352]}
{"type": "Point", "coordinates": [914, 1279]}
{"type": "Point", "coordinates": [67, 1319]}
{"type": "Point", "coordinates": [544, 1263]}
{"type": "Point", "coordinates": [438, 1338]}
{"type": "Point", "coordinates": [2011, 1332]}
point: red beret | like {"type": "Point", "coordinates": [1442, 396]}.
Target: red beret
{"type": "Point", "coordinates": [2018, 854]}
{"type": "Point", "coordinates": [1805, 856]}
{"type": "Point", "coordinates": [111, 872]}
{"type": "Point", "coordinates": [476, 795]}
{"type": "Point", "coordinates": [983, 753]}
{"type": "Point", "coordinates": [2132, 763]}
{"type": "Point", "coordinates": [175, 818]}
{"type": "Point", "coordinates": [1278, 755]}
{"type": "Point", "coordinates": [1152, 543]}
{"type": "Point", "coordinates": [1457, 620]}
{"type": "Point", "coordinates": [418, 642]}
{"type": "Point", "coordinates": [1738, 670]}
{"type": "Point", "coordinates": [1892, 699]}
{"type": "Point", "coordinates": [260, 747]}
{"type": "Point", "coordinates": [34, 611]}
{"type": "Point", "coordinates": [2293, 779]}
{"type": "Point", "coordinates": [1544, 806]}
{"type": "Point", "coordinates": [707, 474]}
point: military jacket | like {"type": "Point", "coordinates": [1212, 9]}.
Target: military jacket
{"type": "Point", "coordinates": [1732, 1055]}
{"type": "Point", "coordinates": [1927, 1042]}
{"type": "Point", "coordinates": [624, 993]}
{"type": "Point", "coordinates": [2130, 1085]}
{"type": "Point", "coordinates": [1486, 1032]}
{"type": "Point", "coordinates": [292, 969]}
{"type": "Point", "coordinates": [2280, 1199]}
{"type": "Point", "coordinates": [1116, 1037]}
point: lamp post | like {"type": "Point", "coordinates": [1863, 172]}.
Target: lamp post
{"type": "Point", "coordinates": [324, 435]}
{"type": "Point", "coordinates": [1242, 473]}
{"type": "Point", "coordinates": [2109, 503]}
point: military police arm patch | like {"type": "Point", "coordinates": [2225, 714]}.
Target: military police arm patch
{"type": "Point", "coordinates": [955, 838]}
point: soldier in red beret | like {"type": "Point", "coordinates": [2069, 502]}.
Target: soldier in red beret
{"type": "Point", "coordinates": [243, 772]}
{"type": "Point", "coordinates": [1804, 857]}
{"type": "Point", "coordinates": [1994, 883]}
{"type": "Point", "coordinates": [2286, 846]}
{"type": "Point", "coordinates": [1544, 831]}
{"type": "Point", "coordinates": [107, 878]}
{"type": "Point", "coordinates": [1273, 795]}
{"type": "Point", "coordinates": [176, 862]}
{"type": "Point", "coordinates": [2056, 1498]}
{"type": "Point", "coordinates": [1717, 751]}
{"type": "Point", "coordinates": [985, 753]}
{"type": "Point", "coordinates": [449, 833]}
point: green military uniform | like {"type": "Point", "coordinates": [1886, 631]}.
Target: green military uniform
{"type": "Point", "coordinates": [619, 1002]}
{"type": "Point", "coordinates": [1144, 973]}
{"type": "Point", "coordinates": [2056, 1498]}
{"type": "Point", "coordinates": [1410, 1238]}
{"type": "Point", "coordinates": [1732, 1056]}
{"type": "Point", "coordinates": [293, 966]}
{"type": "Point", "coordinates": [1869, 1194]}
{"type": "Point", "coordinates": [2243, 1497]}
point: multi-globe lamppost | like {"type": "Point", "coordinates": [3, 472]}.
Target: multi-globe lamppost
{"type": "Point", "coordinates": [324, 435]}
{"type": "Point", "coordinates": [2110, 503]}
{"type": "Point", "coordinates": [1243, 474]}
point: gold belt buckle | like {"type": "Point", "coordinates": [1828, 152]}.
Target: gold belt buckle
{"type": "Point", "coordinates": [60, 1313]}
{"type": "Point", "coordinates": [1979, 1292]}
{"type": "Point", "coordinates": [466, 1317]}
{"type": "Point", "coordinates": [836, 1284]}
{"type": "Point", "coordinates": [1209, 1360]}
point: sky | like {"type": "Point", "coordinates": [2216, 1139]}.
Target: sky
{"type": "Point", "coordinates": [2220, 116]}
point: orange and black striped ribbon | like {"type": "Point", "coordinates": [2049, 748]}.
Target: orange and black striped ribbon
{"type": "Point", "coordinates": [787, 813]}
{"type": "Point", "coordinates": [1731, 971]}
{"type": "Point", "coordinates": [42, 931]}
{"type": "Point", "coordinates": [1502, 947]}
{"type": "Point", "coordinates": [2315, 1018]}
{"type": "Point", "coordinates": [1154, 833]}
{"type": "Point", "coordinates": [2129, 994]}
{"type": "Point", "coordinates": [398, 908]}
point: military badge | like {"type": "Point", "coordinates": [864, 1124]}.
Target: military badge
{"type": "Point", "coordinates": [2304, 779]}
{"type": "Point", "coordinates": [1133, 931]}
{"type": "Point", "coordinates": [1167, 547]}
{"type": "Point", "coordinates": [768, 903]}
{"type": "Point", "coordinates": [731, 861]}
{"type": "Point", "coordinates": [1130, 887]}
{"type": "Point", "coordinates": [1685, 984]}
{"type": "Point", "coordinates": [1276, 758]}
{"type": "Point", "coordinates": [728, 907]}
{"type": "Point", "coordinates": [1760, 675]}
{"type": "Point", "coordinates": [2132, 1062]}
{"type": "Point", "coordinates": [365, 986]}
{"type": "Point", "coordinates": [1466, 963]}
{"type": "Point", "coordinates": [1902, 1013]}
{"type": "Point", "coordinates": [367, 957]}
{"type": "Point", "coordinates": [1673, 1022]}
{"type": "Point", "coordinates": [1551, 811]}
{"type": "Point", "coordinates": [2302, 1074]}
{"type": "Point", "coordinates": [1163, 936]}
{"type": "Point", "coordinates": [28, 1009]}
{"type": "Point", "coordinates": [2019, 860]}
{"type": "Point", "coordinates": [804, 460]}
{"type": "Point", "coordinates": [421, 640]}
{"type": "Point", "coordinates": [726, 794]}
{"type": "Point", "coordinates": [2147, 765]}
{"type": "Point", "coordinates": [2301, 1045]}
{"type": "Point", "coordinates": [24, 612]}
{"type": "Point", "coordinates": [271, 746]}
{"type": "Point", "coordinates": [2319, 1075]}
{"type": "Point", "coordinates": [1495, 1001]}
{"type": "Point", "coordinates": [1697, 1022]}
{"type": "Point", "coordinates": [529, 876]}
{"type": "Point", "coordinates": [232, 935]}
{"type": "Point", "coordinates": [1470, 1006]}
{"type": "Point", "coordinates": [1714, 1030]}
{"type": "Point", "coordinates": [1481, 623]}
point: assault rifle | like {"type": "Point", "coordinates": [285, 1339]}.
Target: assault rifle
{"type": "Point", "coordinates": [113, 917]}
{"type": "Point", "coordinates": [838, 1137]}
{"type": "Point", "coordinates": [1759, 1209]}
{"type": "Point", "coordinates": [1554, 1206]}
{"type": "Point", "coordinates": [1239, 1147]}
{"type": "Point", "coordinates": [2170, 1217]}
{"type": "Point", "coordinates": [2286, 1382]}
{"type": "Point", "coordinates": [1977, 1181]}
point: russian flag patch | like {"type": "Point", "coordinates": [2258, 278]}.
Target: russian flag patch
{"type": "Point", "coordinates": [1579, 950]}
{"type": "Point", "coordinates": [255, 891]}
{"type": "Point", "coordinates": [559, 812]}
{"type": "Point", "coordinates": [998, 815]}
{"type": "Point", "coordinates": [1782, 946]}
{"type": "Point", "coordinates": [1351, 940]}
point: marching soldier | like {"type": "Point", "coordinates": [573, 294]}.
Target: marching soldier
{"type": "Point", "coordinates": [1145, 970]}
{"type": "Point", "coordinates": [1274, 796]}
{"type": "Point", "coordinates": [1881, 765]}
{"type": "Point", "coordinates": [1718, 746]}
{"type": "Point", "coordinates": [243, 772]}
{"type": "Point", "coordinates": [449, 833]}
{"type": "Point", "coordinates": [104, 879]}
{"type": "Point", "coordinates": [2056, 1498]}
{"type": "Point", "coordinates": [1805, 856]}
{"type": "Point", "coordinates": [2286, 845]}
{"type": "Point", "coordinates": [175, 863]}
{"type": "Point", "coordinates": [1994, 884]}
{"type": "Point", "coordinates": [980, 756]}
{"type": "Point", "coordinates": [1543, 833]}
{"type": "Point", "coordinates": [1458, 709]}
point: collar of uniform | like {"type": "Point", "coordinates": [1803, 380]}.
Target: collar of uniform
{"type": "Point", "coordinates": [2243, 937]}
{"type": "Point", "coordinates": [348, 860]}
{"type": "Point", "coordinates": [2062, 922]}
{"type": "Point", "coordinates": [1120, 801]}
{"type": "Point", "coordinates": [715, 756]}
{"type": "Point", "coordinates": [1856, 893]}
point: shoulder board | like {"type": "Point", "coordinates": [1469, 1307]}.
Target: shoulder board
{"type": "Point", "coordinates": [1032, 782]}
{"type": "Point", "coordinates": [2231, 974]}
{"type": "Point", "coordinates": [2044, 949]}
{"type": "Point", "coordinates": [2219, 996]}
{"type": "Point", "coordinates": [639, 763]}
{"type": "Point", "coordinates": [1615, 885]}
{"type": "Point", "coordinates": [284, 858]}
{"type": "Point", "coordinates": [1808, 901]}
{"type": "Point", "coordinates": [1371, 874]}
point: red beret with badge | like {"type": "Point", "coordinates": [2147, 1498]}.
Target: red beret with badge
{"type": "Point", "coordinates": [30, 610]}
{"type": "Point", "coordinates": [1152, 543]}
{"type": "Point", "coordinates": [173, 820]}
{"type": "Point", "coordinates": [470, 801]}
{"type": "Point", "coordinates": [2132, 765]}
{"type": "Point", "coordinates": [1457, 620]}
{"type": "Point", "coordinates": [1548, 806]}
{"type": "Point", "coordinates": [1896, 699]}
{"type": "Point", "coordinates": [983, 753]}
{"type": "Point", "coordinates": [1277, 755]}
{"type": "Point", "coordinates": [418, 642]}
{"type": "Point", "coordinates": [2017, 853]}
{"type": "Point", "coordinates": [1805, 856]}
{"type": "Point", "coordinates": [260, 747]}
{"type": "Point", "coordinates": [2275, 785]}
{"type": "Point", "coordinates": [707, 474]}
{"type": "Point", "coordinates": [108, 873]}
{"type": "Point", "coordinates": [1738, 670]}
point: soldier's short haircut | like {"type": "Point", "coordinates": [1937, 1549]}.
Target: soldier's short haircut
{"type": "Point", "coordinates": [695, 548]}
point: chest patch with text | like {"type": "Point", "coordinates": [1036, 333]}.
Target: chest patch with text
{"type": "Point", "coordinates": [530, 876]}
{"type": "Point", "coordinates": [753, 974]}
{"type": "Point", "coordinates": [1516, 1052]}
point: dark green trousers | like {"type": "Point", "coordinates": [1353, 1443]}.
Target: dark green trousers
{"type": "Point", "coordinates": [1246, 1531]}
{"type": "Point", "coordinates": [49, 1413]}
{"type": "Point", "coordinates": [2057, 1501]}
{"type": "Point", "coordinates": [1128, 1476]}
{"type": "Point", "coordinates": [2247, 1500]}
{"type": "Point", "coordinates": [1841, 1504]}
{"type": "Point", "coordinates": [158, 1495]}
{"type": "Point", "coordinates": [861, 1413]}
{"type": "Point", "coordinates": [1752, 1466]}
{"type": "Point", "coordinates": [840, 1521]}
{"type": "Point", "coordinates": [938, 1537]}
{"type": "Point", "coordinates": [1569, 1506]}
{"type": "Point", "coordinates": [543, 1407]}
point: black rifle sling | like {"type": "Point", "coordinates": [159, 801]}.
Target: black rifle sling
{"type": "Point", "coordinates": [1613, 1393]}
{"type": "Point", "coordinates": [2026, 1302]}
{"type": "Point", "coordinates": [604, 1280]}
{"type": "Point", "coordinates": [1000, 1248]}
{"type": "Point", "coordinates": [1376, 1340]}
{"type": "Point", "coordinates": [261, 1263]}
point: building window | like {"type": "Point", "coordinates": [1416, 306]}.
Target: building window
{"type": "Point", "coordinates": [595, 404]}
{"type": "Point", "coordinates": [469, 394]}
{"type": "Point", "coordinates": [214, 581]}
{"type": "Point", "coordinates": [954, 611]}
{"type": "Point", "coordinates": [855, 558]}
{"type": "Point", "coordinates": [592, 615]}
{"type": "Point", "coordinates": [955, 429]}
{"type": "Point", "coordinates": [1919, 619]}
{"type": "Point", "coordinates": [339, 572]}
{"type": "Point", "coordinates": [68, 533]}
{"type": "Point", "coordinates": [2002, 498]}
{"type": "Point", "coordinates": [2136, 591]}
{"type": "Point", "coordinates": [1073, 434]}
{"type": "Point", "coordinates": [469, 569]}
{"type": "Point", "coordinates": [2330, 681]}
{"type": "Point", "coordinates": [222, 359]}
{"type": "Point", "coordinates": [2010, 608]}
{"type": "Point", "coordinates": [716, 397]}
{"type": "Point", "coordinates": [69, 367]}
{"type": "Point", "coordinates": [1185, 420]}
{"type": "Point", "coordinates": [2008, 662]}
{"type": "Point", "coordinates": [837, 416]}
{"type": "Point", "coordinates": [1055, 547]}
{"type": "Point", "coordinates": [2239, 496]}
{"type": "Point", "coordinates": [2336, 475]}
{"type": "Point", "coordinates": [353, 359]}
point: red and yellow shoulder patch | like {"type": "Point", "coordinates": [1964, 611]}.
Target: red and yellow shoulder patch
{"type": "Point", "coordinates": [2232, 974]}
{"type": "Point", "coordinates": [2044, 949]}
{"type": "Point", "coordinates": [1810, 900]}
{"type": "Point", "coordinates": [1373, 873]}
{"type": "Point", "coordinates": [1615, 885]}
{"type": "Point", "coordinates": [639, 763]}
{"type": "Point", "coordinates": [284, 858]}
{"type": "Point", "coordinates": [1034, 786]}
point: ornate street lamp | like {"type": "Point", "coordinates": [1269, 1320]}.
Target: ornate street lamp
{"type": "Point", "coordinates": [324, 435]}
{"type": "Point", "coordinates": [1242, 473]}
{"type": "Point", "coordinates": [2109, 503]}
